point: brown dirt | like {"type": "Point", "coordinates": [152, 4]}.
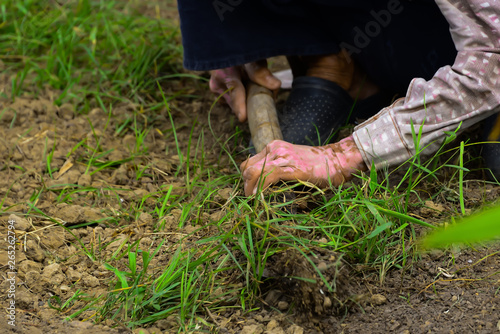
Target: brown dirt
{"type": "Point", "coordinates": [420, 299]}
{"type": "Point", "coordinates": [455, 292]}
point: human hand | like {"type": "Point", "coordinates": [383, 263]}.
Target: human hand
{"type": "Point", "coordinates": [319, 165]}
{"type": "Point", "coordinates": [232, 78]}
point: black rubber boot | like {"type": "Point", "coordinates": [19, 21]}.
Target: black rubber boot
{"type": "Point", "coordinates": [317, 108]}
{"type": "Point", "coordinates": [314, 110]}
{"type": "Point", "coordinates": [491, 151]}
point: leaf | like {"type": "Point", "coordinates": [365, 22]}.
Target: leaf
{"type": "Point", "coordinates": [379, 230]}
{"type": "Point", "coordinates": [65, 167]}
{"type": "Point", "coordinates": [482, 226]}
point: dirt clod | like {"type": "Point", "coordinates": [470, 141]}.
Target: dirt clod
{"type": "Point", "coordinates": [73, 275]}
{"type": "Point", "coordinates": [282, 305]}
{"type": "Point", "coordinates": [252, 329]}
{"type": "Point", "coordinates": [90, 281]}
{"type": "Point", "coordinates": [85, 180]}
{"type": "Point", "coordinates": [295, 329]}
{"type": "Point", "coordinates": [20, 224]}
{"type": "Point", "coordinates": [25, 300]}
{"type": "Point", "coordinates": [378, 299]}
{"type": "Point", "coordinates": [34, 251]}
{"type": "Point", "coordinates": [70, 214]}
{"type": "Point", "coordinates": [52, 275]}
{"type": "Point", "coordinates": [322, 266]}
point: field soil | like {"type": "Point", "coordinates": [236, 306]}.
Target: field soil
{"type": "Point", "coordinates": [438, 292]}
{"type": "Point", "coordinates": [69, 200]}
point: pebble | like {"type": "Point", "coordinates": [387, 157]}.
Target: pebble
{"type": "Point", "coordinates": [282, 305]}
{"type": "Point", "coordinates": [85, 180]}
{"type": "Point", "coordinates": [34, 251]}
{"type": "Point", "coordinates": [252, 329]}
{"type": "Point", "coordinates": [322, 266]}
{"type": "Point", "coordinates": [64, 288]}
{"type": "Point", "coordinates": [20, 224]}
{"type": "Point", "coordinates": [294, 329]}
{"type": "Point", "coordinates": [272, 325]}
{"type": "Point", "coordinates": [378, 299]}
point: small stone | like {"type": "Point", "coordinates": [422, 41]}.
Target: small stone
{"type": "Point", "coordinates": [20, 224]}
{"type": "Point", "coordinates": [85, 180]}
{"type": "Point", "coordinates": [73, 275]}
{"type": "Point", "coordinates": [378, 299]}
{"type": "Point", "coordinates": [282, 305]}
{"type": "Point", "coordinates": [70, 214]}
{"type": "Point", "coordinates": [327, 302]}
{"type": "Point", "coordinates": [322, 266]}
{"type": "Point", "coordinates": [294, 329]}
{"type": "Point", "coordinates": [272, 325]}
{"type": "Point", "coordinates": [120, 239]}
{"type": "Point", "coordinates": [252, 329]}
{"type": "Point", "coordinates": [34, 251]}
{"type": "Point", "coordinates": [91, 214]}
{"type": "Point", "coordinates": [225, 193]}
{"type": "Point", "coordinates": [139, 193]}
{"type": "Point", "coordinates": [272, 297]}
{"type": "Point", "coordinates": [53, 238]}
{"type": "Point", "coordinates": [69, 178]}
{"type": "Point", "coordinates": [64, 288]}
{"type": "Point", "coordinates": [145, 243]}
{"type": "Point", "coordinates": [90, 281]}
{"type": "Point", "coordinates": [52, 275]}
{"type": "Point", "coordinates": [145, 218]}
{"type": "Point", "coordinates": [25, 300]}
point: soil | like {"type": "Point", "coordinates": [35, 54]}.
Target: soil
{"type": "Point", "coordinates": [439, 292]}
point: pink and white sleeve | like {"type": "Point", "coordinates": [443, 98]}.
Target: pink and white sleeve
{"type": "Point", "coordinates": [467, 92]}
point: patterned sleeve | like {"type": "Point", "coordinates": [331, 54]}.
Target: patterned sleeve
{"type": "Point", "coordinates": [467, 92]}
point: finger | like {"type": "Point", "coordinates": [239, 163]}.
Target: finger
{"type": "Point", "coordinates": [259, 178]}
{"type": "Point", "coordinates": [218, 88]}
{"type": "Point", "coordinates": [260, 74]}
{"type": "Point", "coordinates": [270, 175]}
{"type": "Point", "coordinates": [238, 99]}
{"type": "Point", "coordinates": [252, 161]}
{"type": "Point", "coordinates": [267, 173]}
{"type": "Point", "coordinates": [226, 79]}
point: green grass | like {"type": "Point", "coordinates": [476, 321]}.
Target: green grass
{"type": "Point", "coordinates": [84, 49]}
{"type": "Point", "coordinates": [97, 54]}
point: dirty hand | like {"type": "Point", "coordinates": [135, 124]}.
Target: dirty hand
{"type": "Point", "coordinates": [319, 165]}
{"type": "Point", "coordinates": [232, 78]}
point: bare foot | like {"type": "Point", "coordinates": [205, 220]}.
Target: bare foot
{"type": "Point", "coordinates": [342, 70]}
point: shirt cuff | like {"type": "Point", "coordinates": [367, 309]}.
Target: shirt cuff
{"type": "Point", "coordinates": [379, 139]}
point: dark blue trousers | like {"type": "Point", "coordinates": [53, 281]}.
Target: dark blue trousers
{"type": "Point", "coordinates": [394, 41]}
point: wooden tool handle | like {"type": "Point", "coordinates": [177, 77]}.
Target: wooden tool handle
{"type": "Point", "coordinates": [262, 116]}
